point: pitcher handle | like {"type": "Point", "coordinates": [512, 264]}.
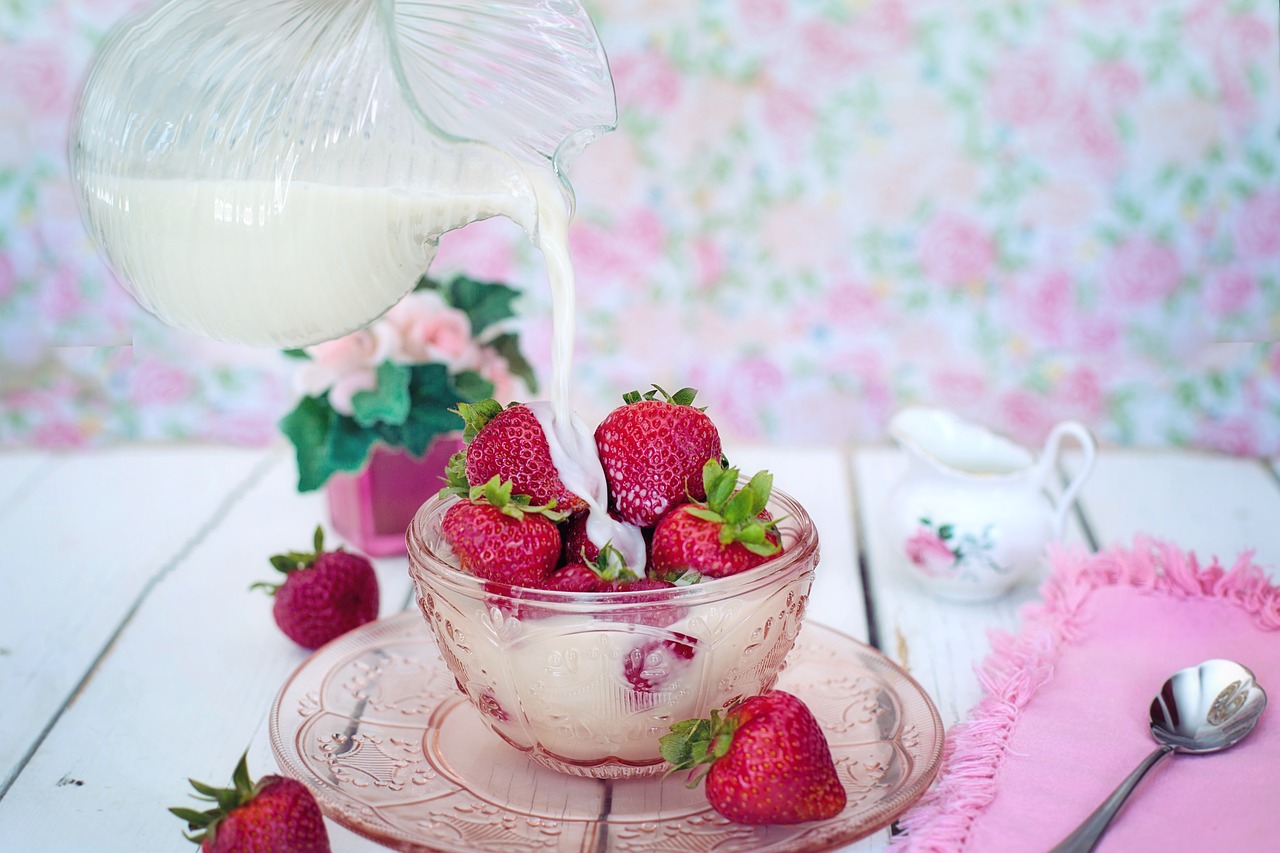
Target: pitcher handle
{"type": "Point", "coordinates": [1052, 446]}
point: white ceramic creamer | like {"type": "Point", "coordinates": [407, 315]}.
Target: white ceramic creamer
{"type": "Point", "coordinates": [972, 515]}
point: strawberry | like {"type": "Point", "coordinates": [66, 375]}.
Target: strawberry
{"type": "Point", "coordinates": [324, 594]}
{"type": "Point", "coordinates": [273, 815]}
{"type": "Point", "coordinates": [503, 538]}
{"type": "Point", "coordinates": [652, 451]}
{"type": "Point", "coordinates": [652, 665]}
{"type": "Point", "coordinates": [728, 533]}
{"type": "Point", "coordinates": [510, 444]}
{"type": "Point", "coordinates": [769, 761]}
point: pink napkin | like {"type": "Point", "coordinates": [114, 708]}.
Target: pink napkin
{"type": "Point", "coordinates": [1064, 718]}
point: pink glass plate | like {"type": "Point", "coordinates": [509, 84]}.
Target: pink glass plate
{"type": "Point", "coordinates": [374, 725]}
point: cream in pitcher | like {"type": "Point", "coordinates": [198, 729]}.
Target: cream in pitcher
{"type": "Point", "coordinates": [278, 172]}
{"type": "Point", "coordinates": [971, 516]}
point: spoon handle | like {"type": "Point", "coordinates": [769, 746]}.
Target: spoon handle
{"type": "Point", "coordinates": [1088, 833]}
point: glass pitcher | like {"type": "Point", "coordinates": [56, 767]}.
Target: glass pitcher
{"type": "Point", "coordinates": [278, 172]}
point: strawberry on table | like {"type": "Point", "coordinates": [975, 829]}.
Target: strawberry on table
{"type": "Point", "coordinates": [652, 449]}
{"type": "Point", "coordinates": [273, 815]}
{"type": "Point", "coordinates": [502, 537]}
{"type": "Point", "coordinates": [324, 594]}
{"type": "Point", "coordinates": [769, 761]}
{"type": "Point", "coordinates": [729, 532]}
{"type": "Point", "coordinates": [510, 444]}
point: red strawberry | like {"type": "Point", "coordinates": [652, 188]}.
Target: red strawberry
{"type": "Point", "coordinates": [608, 572]}
{"type": "Point", "coordinates": [275, 815]}
{"type": "Point", "coordinates": [654, 664]}
{"type": "Point", "coordinates": [770, 762]}
{"type": "Point", "coordinates": [509, 444]}
{"type": "Point", "coordinates": [325, 593]}
{"type": "Point", "coordinates": [729, 533]}
{"type": "Point", "coordinates": [503, 538]}
{"type": "Point", "coordinates": [652, 451]}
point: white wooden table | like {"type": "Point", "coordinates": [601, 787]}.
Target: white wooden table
{"type": "Point", "coordinates": [133, 655]}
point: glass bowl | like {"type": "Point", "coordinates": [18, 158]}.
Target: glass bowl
{"type": "Point", "coordinates": [586, 683]}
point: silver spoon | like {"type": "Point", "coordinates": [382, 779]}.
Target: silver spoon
{"type": "Point", "coordinates": [1203, 708]}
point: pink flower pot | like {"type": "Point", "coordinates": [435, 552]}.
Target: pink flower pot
{"type": "Point", "coordinates": [372, 508]}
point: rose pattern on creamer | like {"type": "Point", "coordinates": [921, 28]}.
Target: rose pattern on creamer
{"type": "Point", "coordinates": [941, 551]}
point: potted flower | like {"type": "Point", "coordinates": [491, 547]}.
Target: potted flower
{"type": "Point", "coordinates": [375, 424]}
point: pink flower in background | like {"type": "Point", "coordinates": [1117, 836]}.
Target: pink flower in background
{"type": "Point", "coordinates": [346, 365]}
{"type": "Point", "coordinates": [155, 382]}
{"type": "Point", "coordinates": [494, 368]}
{"type": "Point", "coordinates": [1258, 225]}
{"type": "Point", "coordinates": [957, 387]}
{"type": "Point", "coordinates": [422, 328]}
{"type": "Point", "coordinates": [1023, 88]}
{"type": "Point", "coordinates": [955, 252]}
{"type": "Point", "coordinates": [1229, 291]}
{"type": "Point", "coordinates": [1080, 393]}
{"type": "Point", "coordinates": [59, 435]}
{"type": "Point", "coordinates": [37, 74]}
{"type": "Point", "coordinates": [645, 81]}
{"type": "Point", "coordinates": [8, 277]}
{"type": "Point", "coordinates": [1047, 306]}
{"type": "Point", "coordinates": [1142, 270]}
{"type": "Point", "coordinates": [1089, 132]}
{"type": "Point", "coordinates": [763, 15]}
{"type": "Point", "coordinates": [484, 250]}
{"type": "Point", "coordinates": [926, 549]}
{"type": "Point", "coordinates": [1027, 415]}
{"type": "Point", "coordinates": [1115, 84]}
{"type": "Point", "coordinates": [1235, 435]}
{"type": "Point", "coordinates": [829, 49]}
{"type": "Point", "coordinates": [708, 263]}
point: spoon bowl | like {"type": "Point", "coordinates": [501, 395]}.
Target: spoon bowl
{"type": "Point", "coordinates": [1200, 709]}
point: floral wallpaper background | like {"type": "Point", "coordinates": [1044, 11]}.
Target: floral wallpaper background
{"type": "Point", "coordinates": [814, 211]}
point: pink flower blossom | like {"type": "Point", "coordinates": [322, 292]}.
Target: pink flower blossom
{"type": "Point", "coordinates": [763, 15]}
{"type": "Point", "coordinates": [1257, 228]}
{"type": "Point", "coordinates": [8, 277]}
{"type": "Point", "coordinates": [1023, 89]}
{"type": "Point", "coordinates": [507, 387]}
{"type": "Point", "coordinates": [1142, 270]}
{"type": "Point", "coordinates": [154, 381]}
{"type": "Point", "coordinates": [646, 81]}
{"type": "Point", "coordinates": [36, 72]}
{"type": "Point", "coordinates": [956, 252]}
{"type": "Point", "coordinates": [1229, 291]}
{"type": "Point", "coordinates": [423, 329]}
{"type": "Point", "coordinates": [926, 549]}
{"type": "Point", "coordinates": [1046, 306]}
{"type": "Point", "coordinates": [345, 365]}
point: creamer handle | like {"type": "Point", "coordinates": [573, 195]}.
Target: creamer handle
{"type": "Point", "coordinates": [1052, 445]}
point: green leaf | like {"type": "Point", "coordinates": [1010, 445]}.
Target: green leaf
{"type": "Point", "coordinates": [485, 303]}
{"type": "Point", "coordinates": [388, 402]}
{"type": "Point", "coordinates": [307, 426]}
{"type": "Point", "coordinates": [349, 445]}
{"type": "Point", "coordinates": [472, 386]}
{"type": "Point", "coordinates": [296, 353]}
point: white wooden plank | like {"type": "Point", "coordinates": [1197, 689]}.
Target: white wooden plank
{"type": "Point", "coordinates": [80, 546]}
{"type": "Point", "coordinates": [818, 479]}
{"type": "Point", "coordinates": [1207, 503]}
{"type": "Point", "coordinates": [938, 641]}
{"type": "Point", "coordinates": [19, 469]}
{"type": "Point", "coordinates": [185, 685]}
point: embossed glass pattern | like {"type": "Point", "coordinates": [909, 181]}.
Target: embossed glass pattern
{"type": "Point", "coordinates": [587, 683]}
{"type": "Point", "coordinates": [373, 724]}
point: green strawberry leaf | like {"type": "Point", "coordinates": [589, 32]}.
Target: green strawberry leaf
{"type": "Point", "coordinates": [388, 402]}
{"type": "Point", "coordinates": [476, 415]}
